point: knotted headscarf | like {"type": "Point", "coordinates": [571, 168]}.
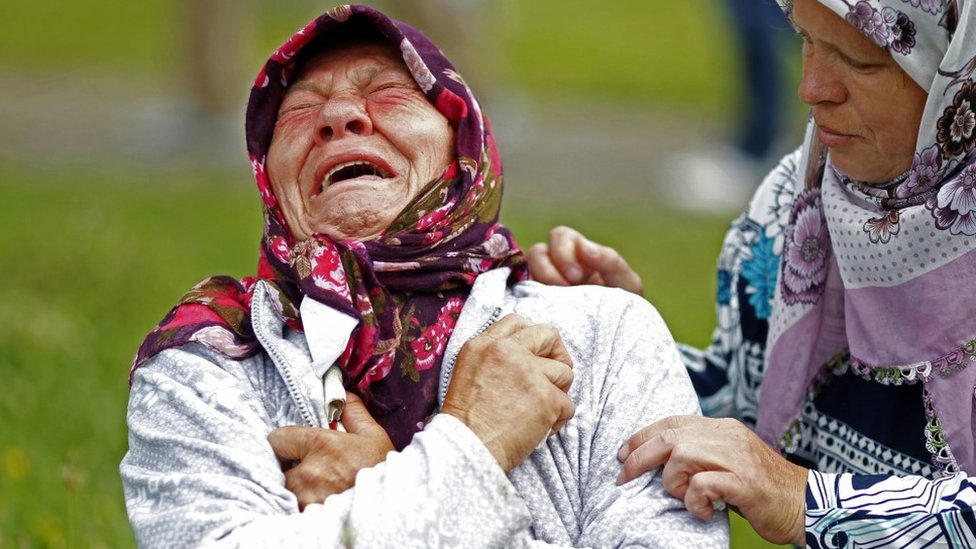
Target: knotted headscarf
{"type": "Point", "coordinates": [888, 271]}
{"type": "Point", "coordinates": [405, 288]}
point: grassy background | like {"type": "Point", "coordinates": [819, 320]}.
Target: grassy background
{"type": "Point", "coordinates": [94, 253]}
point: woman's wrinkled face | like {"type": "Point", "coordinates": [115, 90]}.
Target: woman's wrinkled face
{"type": "Point", "coordinates": [867, 109]}
{"type": "Point", "coordinates": [354, 142]}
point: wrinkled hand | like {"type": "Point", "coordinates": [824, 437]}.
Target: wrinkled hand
{"type": "Point", "coordinates": [510, 387]}
{"type": "Point", "coordinates": [329, 460]}
{"type": "Point", "coordinates": [710, 460]}
{"type": "Point", "coordinates": [570, 258]}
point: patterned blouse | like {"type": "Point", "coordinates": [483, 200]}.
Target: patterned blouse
{"type": "Point", "coordinates": [863, 459]}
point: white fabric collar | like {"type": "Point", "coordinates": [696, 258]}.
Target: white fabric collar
{"type": "Point", "coordinates": [327, 332]}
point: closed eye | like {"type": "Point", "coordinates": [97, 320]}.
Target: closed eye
{"type": "Point", "coordinates": [857, 65]}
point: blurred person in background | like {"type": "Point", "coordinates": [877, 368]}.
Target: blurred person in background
{"type": "Point", "coordinates": [389, 378]}
{"type": "Point", "coordinates": [721, 178]}
{"type": "Point", "coordinates": [844, 361]}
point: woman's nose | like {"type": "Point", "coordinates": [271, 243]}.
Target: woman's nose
{"type": "Point", "coordinates": [343, 116]}
{"type": "Point", "coordinates": [820, 82]}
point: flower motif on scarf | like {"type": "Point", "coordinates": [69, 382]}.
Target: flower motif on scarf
{"type": "Point", "coordinates": [760, 272]}
{"type": "Point", "coordinates": [950, 19]}
{"type": "Point", "coordinates": [288, 50]}
{"type": "Point", "coordinates": [341, 13]}
{"type": "Point", "coordinates": [929, 6]}
{"type": "Point", "coordinates": [880, 229]}
{"type": "Point", "coordinates": [902, 33]}
{"type": "Point", "coordinates": [430, 344]}
{"type": "Point", "coordinates": [870, 21]}
{"type": "Point", "coordinates": [926, 173]}
{"type": "Point", "coordinates": [496, 244]}
{"type": "Point", "coordinates": [425, 79]}
{"type": "Point", "coordinates": [954, 207]}
{"type": "Point", "coordinates": [886, 27]}
{"type": "Point", "coordinates": [279, 247]}
{"type": "Point", "coordinates": [957, 124]}
{"type": "Point", "coordinates": [268, 197]}
{"type": "Point", "coordinates": [327, 272]}
{"type": "Point", "coordinates": [806, 250]}
{"type": "Point", "coordinates": [437, 218]}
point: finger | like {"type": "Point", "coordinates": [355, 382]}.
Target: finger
{"type": "Point", "coordinates": [706, 493]}
{"type": "Point", "coordinates": [357, 419]}
{"type": "Point", "coordinates": [541, 267]}
{"type": "Point", "coordinates": [557, 372]}
{"type": "Point", "coordinates": [543, 340]}
{"type": "Point", "coordinates": [508, 326]}
{"type": "Point", "coordinates": [675, 477]}
{"type": "Point", "coordinates": [654, 453]}
{"type": "Point", "coordinates": [564, 244]}
{"type": "Point", "coordinates": [290, 443]}
{"type": "Point", "coordinates": [566, 412]}
{"type": "Point", "coordinates": [596, 279]}
{"type": "Point", "coordinates": [613, 269]}
{"type": "Point", "coordinates": [295, 484]}
{"type": "Point", "coordinates": [655, 429]}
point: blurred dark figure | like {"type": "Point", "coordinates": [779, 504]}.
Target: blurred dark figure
{"type": "Point", "coordinates": [721, 179]}
{"type": "Point", "coordinates": [759, 26]}
{"type": "Point", "coordinates": [220, 35]}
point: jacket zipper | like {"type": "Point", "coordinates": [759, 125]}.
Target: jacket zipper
{"type": "Point", "coordinates": [282, 364]}
{"type": "Point", "coordinates": [447, 370]}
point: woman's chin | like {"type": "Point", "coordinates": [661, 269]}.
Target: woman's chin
{"type": "Point", "coordinates": [349, 229]}
{"type": "Point", "coordinates": [849, 166]}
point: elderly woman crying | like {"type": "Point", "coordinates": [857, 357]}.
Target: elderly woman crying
{"type": "Point", "coordinates": [371, 385]}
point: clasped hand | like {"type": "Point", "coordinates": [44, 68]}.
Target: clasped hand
{"type": "Point", "coordinates": [320, 462]}
{"type": "Point", "coordinates": [510, 387]}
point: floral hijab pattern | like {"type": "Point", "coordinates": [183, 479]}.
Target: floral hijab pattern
{"type": "Point", "coordinates": [407, 287]}
{"type": "Point", "coordinates": [886, 271]}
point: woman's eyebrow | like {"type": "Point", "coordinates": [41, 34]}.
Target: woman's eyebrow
{"type": "Point", "coordinates": [306, 85]}
{"type": "Point", "coordinates": [370, 73]}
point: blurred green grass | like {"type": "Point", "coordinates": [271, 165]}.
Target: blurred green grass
{"type": "Point", "coordinates": [657, 52]}
{"type": "Point", "coordinates": [94, 256]}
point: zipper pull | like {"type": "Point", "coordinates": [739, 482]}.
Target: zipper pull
{"type": "Point", "coordinates": [335, 398]}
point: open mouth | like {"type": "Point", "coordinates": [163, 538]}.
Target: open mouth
{"type": "Point", "coordinates": [354, 170]}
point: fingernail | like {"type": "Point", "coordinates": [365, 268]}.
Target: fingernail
{"type": "Point", "coordinates": [622, 454]}
{"type": "Point", "coordinates": [573, 273]}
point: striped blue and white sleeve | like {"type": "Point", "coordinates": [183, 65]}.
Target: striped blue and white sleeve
{"type": "Point", "coordinates": [847, 510]}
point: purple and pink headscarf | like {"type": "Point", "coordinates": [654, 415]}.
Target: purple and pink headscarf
{"type": "Point", "coordinates": [407, 287]}
{"type": "Point", "coordinates": [889, 272]}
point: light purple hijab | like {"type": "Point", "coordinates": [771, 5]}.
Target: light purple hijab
{"type": "Point", "coordinates": [889, 272]}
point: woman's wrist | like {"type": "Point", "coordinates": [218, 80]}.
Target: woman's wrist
{"type": "Point", "coordinates": [799, 524]}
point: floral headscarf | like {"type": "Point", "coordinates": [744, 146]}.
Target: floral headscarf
{"type": "Point", "coordinates": [887, 271]}
{"type": "Point", "coordinates": [407, 287]}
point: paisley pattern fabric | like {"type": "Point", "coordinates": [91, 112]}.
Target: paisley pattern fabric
{"type": "Point", "coordinates": [883, 272]}
{"type": "Point", "coordinates": [407, 287]}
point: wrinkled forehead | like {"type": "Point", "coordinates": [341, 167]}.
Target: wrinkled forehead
{"type": "Point", "coordinates": [359, 60]}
